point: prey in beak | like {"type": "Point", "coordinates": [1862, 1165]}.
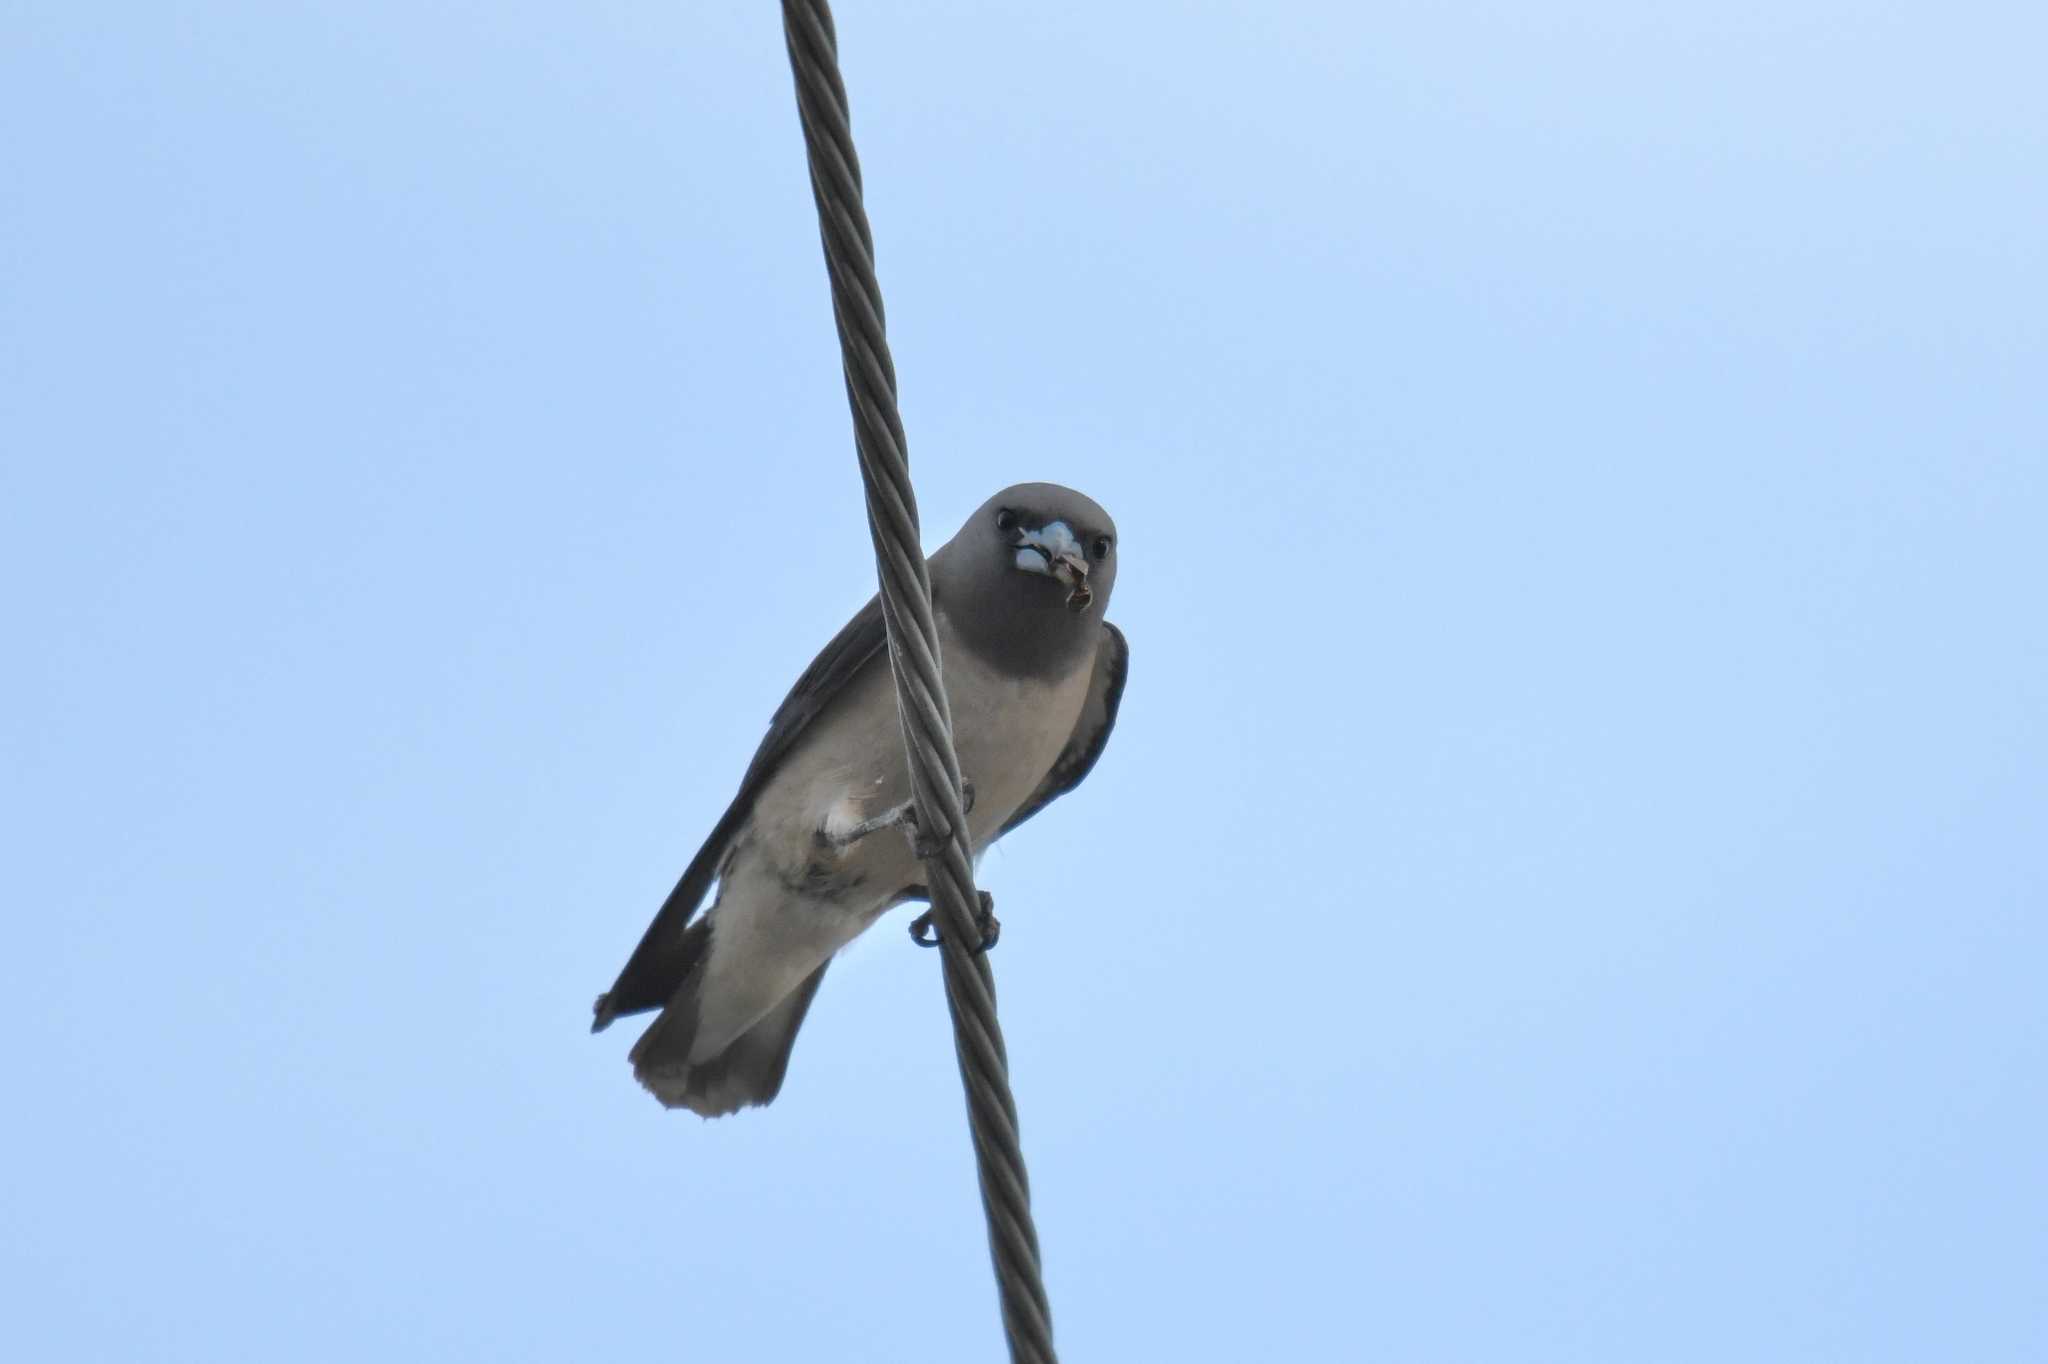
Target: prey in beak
{"type": "Point", "coordinates": [1053, 551]}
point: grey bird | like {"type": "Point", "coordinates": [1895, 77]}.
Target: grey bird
{"type": "Point", "coordinates": [813, 848]}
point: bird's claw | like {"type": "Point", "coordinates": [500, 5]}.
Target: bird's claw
{"type": "Point", "coordinates": [922, 848]}
{"type": "Point", "coordinates": [924, 929]}
{"type": "Point", "coordinates": [925, 849]}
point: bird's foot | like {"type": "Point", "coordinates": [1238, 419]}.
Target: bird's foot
{"type": "Point", "coordinates": [922, 848]}
{"type": "Point", "coordinates": [928, 848]}
{"type": "Point", "coordinates": [924, 929]}
{"type": "Point", "coordinates": [902, 817]}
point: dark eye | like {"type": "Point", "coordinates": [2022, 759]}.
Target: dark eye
{"type": "Point", "coordinates": [1101, 547]}
{"type": "Point", "coordinates": [1006, 519]}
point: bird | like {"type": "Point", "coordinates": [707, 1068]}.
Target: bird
{"type": "Point", "coordinates": [821, 838]}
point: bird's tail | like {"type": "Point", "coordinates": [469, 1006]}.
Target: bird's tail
{"type": "Point", "coordinates": [748, 1072]}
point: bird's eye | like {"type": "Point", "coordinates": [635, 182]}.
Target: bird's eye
{"type": "Point", "coordinates": [1006, 519]}
{"type": "Point", "coordinates": [1101, 547]}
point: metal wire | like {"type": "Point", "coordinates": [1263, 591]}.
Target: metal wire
{"type": "Point", "coordinates": [914, 658]}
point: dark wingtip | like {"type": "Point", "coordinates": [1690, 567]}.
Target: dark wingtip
{"type": "Point", "coordinates": [603, 1011]}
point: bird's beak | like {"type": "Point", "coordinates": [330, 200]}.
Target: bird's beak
{"type": "Point", "coordinates": [1053, 551]}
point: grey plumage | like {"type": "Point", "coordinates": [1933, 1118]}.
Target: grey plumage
{"type": "Point", "coordinates": [1034, 674]}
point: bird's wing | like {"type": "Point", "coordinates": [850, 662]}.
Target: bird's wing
{"type": "Point", "coordinates": [668, 949]}
{"type": "Point", "coordinates": [1091, 731]}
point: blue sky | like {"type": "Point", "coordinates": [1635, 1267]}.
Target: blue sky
{"type": "Point", "coordinates": [1569, 880]}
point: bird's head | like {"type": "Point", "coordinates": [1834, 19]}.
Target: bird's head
{"type": "Point", "coordinates": [1035, 565]}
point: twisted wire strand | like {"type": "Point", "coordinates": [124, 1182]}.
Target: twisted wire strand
{"type": "Point", "coordinates": [914, 659]}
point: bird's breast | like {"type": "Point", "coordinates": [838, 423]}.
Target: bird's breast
{"type": "Point", "coordinates": [1007, 731]}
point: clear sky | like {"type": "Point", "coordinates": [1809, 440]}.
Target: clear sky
{"type": "Point", "coordinates": [1569, 882]}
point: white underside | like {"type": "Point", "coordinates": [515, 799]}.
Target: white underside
{"type": "Point", "coordinates": [768, 933]}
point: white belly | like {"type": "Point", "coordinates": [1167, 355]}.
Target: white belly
{"type": "Point", "coordinates": [788, 901]}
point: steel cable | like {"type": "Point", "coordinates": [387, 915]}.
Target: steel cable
{"type": "Point", "coordinates": [914, 658]}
